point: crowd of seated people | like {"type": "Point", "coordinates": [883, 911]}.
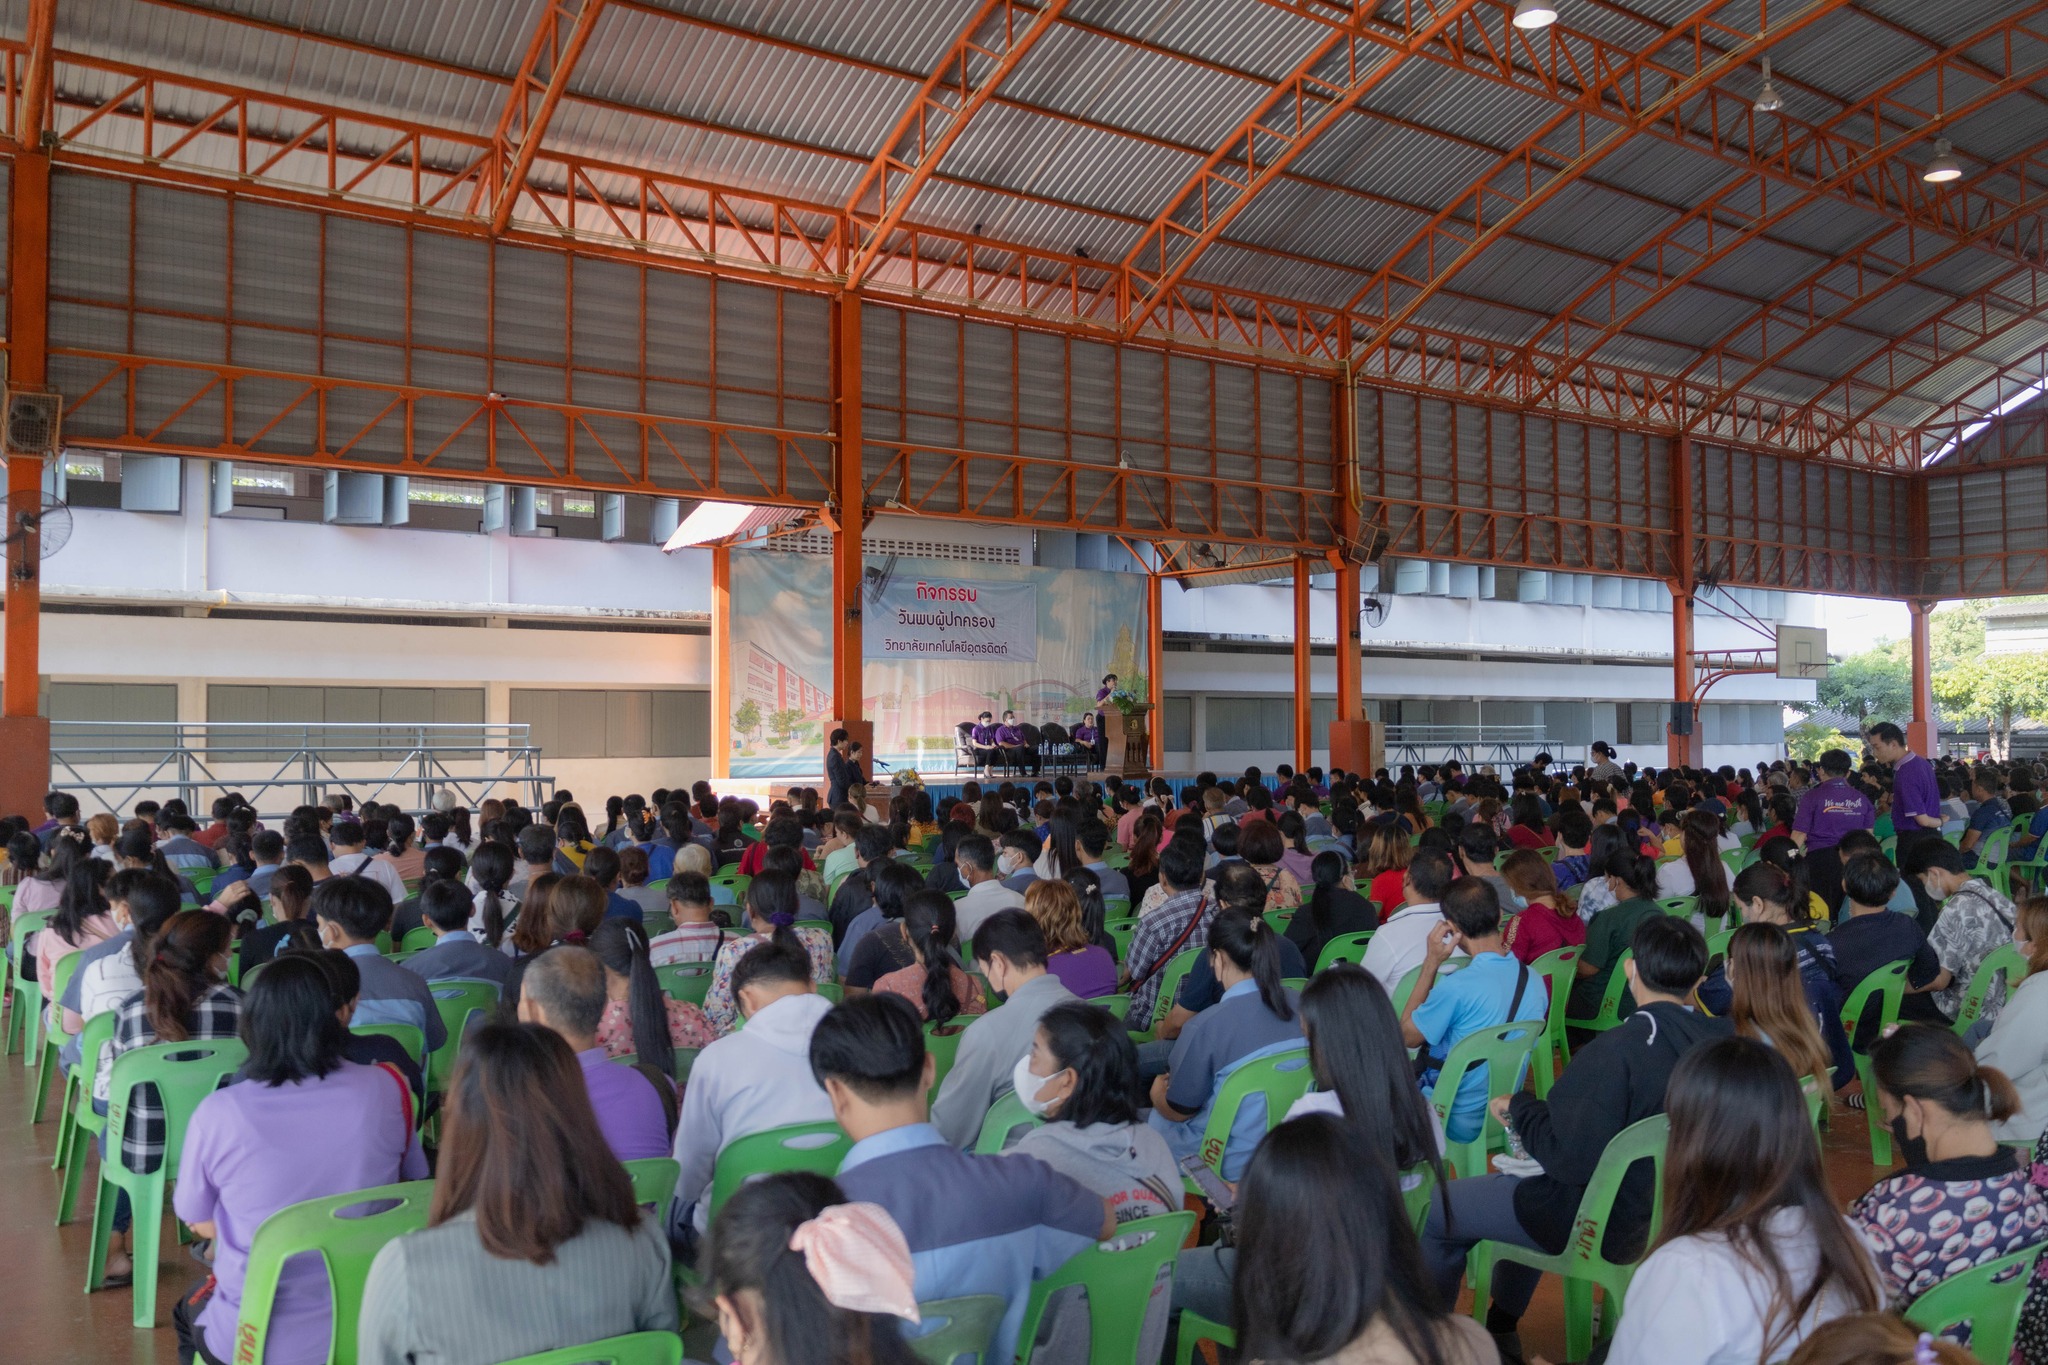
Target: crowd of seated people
{"type": "Point", "coordinates": [1040, 1012]}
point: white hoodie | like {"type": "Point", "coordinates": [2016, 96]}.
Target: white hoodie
{"type": "Point", "coordinates": [748, 1082]}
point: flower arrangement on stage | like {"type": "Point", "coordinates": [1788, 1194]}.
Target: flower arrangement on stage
{"type": "Point", "coordinates": [1129, 696]}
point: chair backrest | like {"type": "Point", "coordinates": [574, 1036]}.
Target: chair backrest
{"type": "Point", "coordinates": [27, 924]}
{"type": "Point", "coordinates": [654, 1180]}
{"type": "Point", "coordinates": [688, 982]}
{"type": "Point", "coordinates": [1993, 850]}
{"type": "Point", "coordinates": [67, 967]}
{"type": "Point", "coordinates": [1989, 1298]}
{"type": "Point", "coordinates": [1559, 968]}
{"type": "Point", "coordinates": [2004, 958]}
{"type": "Point", "coordinates": [1120, 1277]}
{"type": "Point", "coordinates": [1121, 931]}
{"type": "Point", "coordinates": [1406, 987]}
{"type": "Point", "coordinates": [1004, 1118]}
{"type": "Point", "coordinates": [183, 1074]}
{"type": "Point", "coordinates": [1681, 906]}
{"type": "Point", "coordinates": [640, 1348]}
{"type": "Point", "coordinates": [1343, 948]}
{"type": "Point", "coordinates": [1281, 1078]}
{"type": "Point", "coordinates": [410, 1036]}
{"type": "Point", "coordinates": [1887, 986]}
{"type": "Point", "coordinates": [1504, 1050]}
{"type": "Point", "coordinates": [1170, 977]}
{"type": "Point", "coordinates": [816, 1147]}
{"type": "Point", "coordinates": [1644, 1140]}
{"type": "Point", "coordinates": [346, 1231]}
{"type": "Point", "coordinates": [942, 1041]}
{"type": "Point", "coordinates": [416, 939]}
{"type": "Point", "coordinates": [952, 1329]}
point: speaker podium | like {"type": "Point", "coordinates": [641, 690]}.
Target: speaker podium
{"type": "Point", "coordinates": [1128, 740]}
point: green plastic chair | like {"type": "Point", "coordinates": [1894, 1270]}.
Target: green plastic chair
{"type": "Point", "coordinates": [1505, 1051]}
{"type": "Point", "coordinates": [1993, 862]}
{"type": "Point", "coordinates": [832, 990]}
{"type": "Point", "coordinates": [2004, 958]}
{"type": "Point", "coordinates": [1717, 944]}
{"type": "Point", "coordinates": [816, 1147]}
{"type": "Point", "coordinates": [183, 1074]}
{"type": "Point", "coordinates": [965, 1328]}
{"type": "Point", "coordinates": [1680, 906]}
{"type": "Point", "coordinates": [1986, 1300]}
{"type": "Point", "coordinates": [654, 1180]}
{"type": "Point", "coordinates": [1278, 920]}
{"type": "Point", "coordinates": [1118, 1005]}
{"type": "Point", "coordinates": [823, 926]}
{"type": "Point", "coordinates": [410, 1036]}
{"type": "Point", "coordinates": [53, 1039]}
{"type": "Point", "coordinates": [688, 982]}
{"type": "Point", "coordinates": [1120, 1277]}
{"type": "Point", "coordinates": [638, 1348]}
{"type": "Point", "coordinates": [345, 1243]}
{"type": "Point", "coordinates": [1121, 931]}
{"type": "Point", "coordinates": [25, 1022]}
{"type": "Point", "coordinates": [1610, 999]}
{"type": "Point", "coordinates": [1409, 978]}
{"type": "Point", "coordinates": [1887, 987]}
{"type": "Point", "coordinates": [417, 939]}
{"type": "Point", "coordinates": [1001, 1123]}
{"type": "Point", "coordinates": [1583, 1265]}
{"type": "Point", "coordinates": [79, 1124]}
{"type": "Point", "coordinates": [1196, 1329]}
{"type": "Point", "coordinates": [1418, 1199]}
{"type": "Point", "coordinates": [1343, 948]}
{"type": "Point", "coordinates": [1117, 907]}
{"type": "Point", "coordinates": [1170, 977]}
{"type": "Point", "coordinates": [1558, 968]}
{"type": "Point", "coordinates": [1282, 1078]}
{"type": "Point", "coordinates": [459, 1001]}
{"type": "Point", "coordinates": [943, 1047]}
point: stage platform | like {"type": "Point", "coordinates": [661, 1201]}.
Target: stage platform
{"type": "Point", "coordinates": [947, 786]}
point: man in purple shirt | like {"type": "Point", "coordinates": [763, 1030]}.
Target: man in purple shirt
{"type": "Point", "coordinates": [1826, 812]}
{"type": "Point", "coordinates": [1016, 749]}
{"type": "Point", "coordinates": [564, 989]}
{"type": "Point", "coordinates": [1916, 806]}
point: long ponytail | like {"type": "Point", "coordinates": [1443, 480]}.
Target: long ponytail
{"type": "Point", "coordinates": [1251, 943]}
{"type": "Point", "coordinates": [491, 866]}
{"type": "Point", "coordinates": [929, 923]}
{"type": "Point", "coordinates": [1702, 843]}
{"type": "Point", "coordinates": [1327, 871]}
{"type": "Point", "coordinates": [180, 970]}
{"type": "Point", "coordinates": [621, 945]}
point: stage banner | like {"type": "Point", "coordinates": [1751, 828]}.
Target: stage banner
{"type": "Point", "coordinates": [941, 641]}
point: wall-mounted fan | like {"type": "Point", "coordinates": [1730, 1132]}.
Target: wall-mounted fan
{"type": "Point", "coordinates": [1374, 611]}
{"type": "Point", "coordinates": [45, 517]}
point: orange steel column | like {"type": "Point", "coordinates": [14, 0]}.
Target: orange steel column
{"type": "Point", "coordinates": [1304, 742]}
{"type": "Point", "coordinates": [848, 497]}
{"type": "Point", "coordinates": [1682, 747]}
{"type": "Point", "coordinates": [25, 735]}
{"type": "Point", "coordinates": [1155, 633]}
{"type": "Point", "coordinates": [1921, 735]}
{"type": "Point", "coordinates": [721, 661]}
{"type": "Point", "coordinates": [1351, 746]}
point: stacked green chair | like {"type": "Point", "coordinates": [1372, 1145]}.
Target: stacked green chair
{"type": "Point", "coordinates": [1583, 1265]}
{"type": "Point", "coordinates": [1885, 988]}
{"type": "Point", "coordinates": [958, 1329]}
{"type": "Point", "coordinates": [345, 1245]}
{"type": "Point", "coordinates": [183, 1074]}
{"type": "Point", "coordinates": [1119, 1277]}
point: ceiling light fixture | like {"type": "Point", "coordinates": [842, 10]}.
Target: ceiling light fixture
{"type": "Point", "coordinates": [1530, 14]}
{"type": "Point", "coordinates": [1767, 98]}
{"type": "Point", "coordinates": [1944, 167]}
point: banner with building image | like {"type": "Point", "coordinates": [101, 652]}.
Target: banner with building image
{"type": "Point", "coordinates": [942, 641]}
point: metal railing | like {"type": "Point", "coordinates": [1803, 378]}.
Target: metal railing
{"type": "Point", "coordinates": [1502, 746]}
{"type": "Point", "coordinates": [279, 765]}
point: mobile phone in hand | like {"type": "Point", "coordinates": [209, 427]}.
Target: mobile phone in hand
{"type": "Point", "coordinates": [1211, 1184]}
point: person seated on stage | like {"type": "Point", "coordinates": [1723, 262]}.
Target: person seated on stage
{"type": "Point", "coordinates": [983, 738]}
{"type": "Point", "coordinates": [1016, 751]}
{"type": "Point", "coordinates": [1090, 740]}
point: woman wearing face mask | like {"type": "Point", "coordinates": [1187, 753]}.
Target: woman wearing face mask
{"type": "Point", "coordinates": [1974, 921]}
{"type": "Point", "coordinates": [1963, 1199]}
{"type": "Point", "coordinates": [1081, 1076]}
{"type": "Point", "coordinates": [2018, 1046]}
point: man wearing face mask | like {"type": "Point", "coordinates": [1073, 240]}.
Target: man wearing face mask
{"type": "Point", "coordinates": [1017, 852]}
{"type": "Point", "coordinates": [1009, 951]}
{"type": "Point", "coordinates": [1017, 751]}
{"type": "Point", "coordinates": [987, 754]}
{"type": "Point", "coordinates": [1974, 921]}
{"type": "Point", "coordinates": [975, 857]}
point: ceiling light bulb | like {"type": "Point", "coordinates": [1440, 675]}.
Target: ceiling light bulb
{"type": "Point", "coordinates": [1944, 167]}
{"type": "Point", "coordinates": [1535, 13]}
{"type": "Point", "coordinates": [1767, 100]}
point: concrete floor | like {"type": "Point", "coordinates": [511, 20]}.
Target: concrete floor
{"type": "Point", "coordinates": [46, 1318]}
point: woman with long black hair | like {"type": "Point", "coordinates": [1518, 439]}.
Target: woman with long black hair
{"type": "Point", "coordinates": [935, 982]}
{"type": "Point", "coordinates": [638, 1017]}
{"type": "Point", "coordinates": [1334, 907]}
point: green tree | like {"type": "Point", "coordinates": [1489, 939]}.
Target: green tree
{"type": "Point", "coordinates": [747, 717]}
{"type": "Point", "coordinates": [783, 723]}
{"type": "Point", "coordinates": [1809, 739]}
{"type": "Point", "coordinates": [1956, 635]}
{"type": "Point", "coordinates": [1994, 688]}
{"type": "Point", "coordinates": [1874, 685]}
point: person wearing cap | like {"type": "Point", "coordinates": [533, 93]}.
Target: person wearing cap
{"type": "Point", "coordinates": [1827, 811]}
{"type": "Point", "coordinates": [1605, 769]}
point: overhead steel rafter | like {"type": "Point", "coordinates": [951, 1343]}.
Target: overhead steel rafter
{"type": "Point", "coordinates": [35, 79]}
{"type": "Point", "coordinates": [1833, 156]}
{"type": "Point", "coordinates": [2004, 389]}
{"type": "Point", "coordinates": [1342, 70]}
{"type": "Point", "coordinates": [558, 40]}
{"type": "Point", "coordinates": [1614, 106]}
{"type": "Point", "coordinates": [987, 51]}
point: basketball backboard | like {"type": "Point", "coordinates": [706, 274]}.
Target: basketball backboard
{"type": "Point", "coordinates": [1802, 653]}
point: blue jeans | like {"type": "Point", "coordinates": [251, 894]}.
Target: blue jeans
{"type": "Point", "coordinates": [1482, 1208]}
{"type": "Point", "coordinates": [110, 1150]}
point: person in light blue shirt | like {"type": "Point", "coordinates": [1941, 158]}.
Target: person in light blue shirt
{"type": "Point", "coordinates": [1493, 988]}
{"type": "Point", "coordinates": [351, 912]}
{"type": "Point", "coordinates": [1256, 1018]}
{"type": "Point", "coordinates": [974, 1224]}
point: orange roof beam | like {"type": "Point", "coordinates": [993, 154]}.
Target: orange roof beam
{"type": "Point", "coordinates": [988, 49]}
{"type": "Point", "coordinates": [36, 83]}
{"type": "Point", "coordinates": [558, 40]}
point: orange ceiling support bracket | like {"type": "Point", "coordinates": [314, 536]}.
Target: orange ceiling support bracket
{"type": "Point", "coordinates": [1611, 108]}
{"type": "Point", "coordinates": [987, 51]}
{"type": "Point", "coordinates": [558, 40]}
{"type": "Point", "coordinates": [35, 83]}
{"type": "Point", "coordinates": [1342, 70]}
{"type": "Point", "coordinates": [1745, 209]}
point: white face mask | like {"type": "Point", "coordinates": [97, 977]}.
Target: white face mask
{"type": "Point", "coordinates": [1030, 1087]}
{"type": "Point", "coordinates": [1011, 862]}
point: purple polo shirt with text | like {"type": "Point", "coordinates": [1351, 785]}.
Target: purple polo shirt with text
{"type": "Point", "coordinates": [1831, 810]}
{"type": "Point", "coordinates": [629, 1113]}
{"type": "Point", "coordinates": [1914, 792]}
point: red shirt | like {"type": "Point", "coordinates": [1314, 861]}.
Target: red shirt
{"type": "Point", "coordinates": [1540, 929]}
{"type": "Point", "coordinates": [1386, 890]}
{"type": "Point", "coordinates": [750, 861]}
{"type": "Point", "coordinates": [1521, 836]}
{"type": "Point", "coordinates": [213, 834]}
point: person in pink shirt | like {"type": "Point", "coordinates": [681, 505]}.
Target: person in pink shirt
{"type": "Point", "coordinates": [82, 918]}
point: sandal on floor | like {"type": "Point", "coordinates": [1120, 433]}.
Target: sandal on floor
{"type": "Point", "coordinates": [1856, 1101]}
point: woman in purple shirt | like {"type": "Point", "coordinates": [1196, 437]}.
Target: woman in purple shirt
{"type": "Point", "coordinates": [303, 1123]}
{"type": "Point", "coordinates": [1083, 967]}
